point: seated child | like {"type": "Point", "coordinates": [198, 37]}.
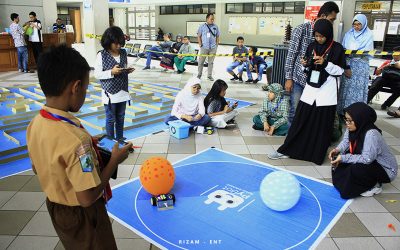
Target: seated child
{"type": "Point", "coordinates": [274, 113]}
{"type": "Point", "coordinates": [65, 157]}
{"type": "Point", "coordinates": [160, 47]}
{"type": "Point", "coordinates": [189, 105]}
{"type": "Point", "coordinates": [238, 61]}
{"type": "Point", "coordinates": [167, 60]}
{"type": "Point", "coordinates": [363, 160]}
{"type": "Point", "coordinates": [216, 106]}
{"type": "Point", "coordinates": [186, 48]}
{"type": "Point", "coordinates": [255, 62]}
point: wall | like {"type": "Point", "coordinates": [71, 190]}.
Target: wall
{"type": "Point", "coordinates": [177, 24]}
{"type": "Point", "coordinates": [120, 19]}
{"type": "Point", "coordinates": [21, 7]}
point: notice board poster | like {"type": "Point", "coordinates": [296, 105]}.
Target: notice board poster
{"type": "Point", "coordinates": [311, 13]}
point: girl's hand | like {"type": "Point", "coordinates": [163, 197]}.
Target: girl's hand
{"type": "Point", "coordinates": [116, 70]}
{"type": "Point", "coordinates": [336, 161]}
{"type": "Point", "coordinates": [271, 130]}
{"type": "Point", "coordinates": [319, 60]}
{"type": "Point", "coordinates": [333, 153]}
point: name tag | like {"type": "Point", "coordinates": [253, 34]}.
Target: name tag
{"type": "Point", "coordinates": [314, 76]}
{"type": "Point", "coordinates": [208, 35]}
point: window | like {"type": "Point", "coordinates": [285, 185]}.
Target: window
{"type": "Point", "coordinates": [187, 9]}
{"type": "Point", "coordinates": [268, 7]}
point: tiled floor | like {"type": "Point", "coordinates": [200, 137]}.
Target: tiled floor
{"type": "Point", "coordinates": [25, 224]}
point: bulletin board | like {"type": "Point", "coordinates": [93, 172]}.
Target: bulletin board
{"type": "Point", "coordinates": [192, 27]}
{"type": "Point", "coordinates": [243, 25]}
{"type": "Point", "coordinates": [273, 26]}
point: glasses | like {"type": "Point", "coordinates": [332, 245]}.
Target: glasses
{"type": "Point", "coordinates": [348, 121]}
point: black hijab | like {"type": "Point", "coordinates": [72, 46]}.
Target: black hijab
{"type": "Point", "coordinates": [364, 118]}
{"type": "Point", "coordinates": [335, 53]}
{"type": "Point", "coordinates": [325, 28]}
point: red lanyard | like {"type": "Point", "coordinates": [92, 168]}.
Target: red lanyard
{"type": "Point", "coordinates": [353, 147]}
{"type": "Point", "coordinates": [107, 193]}
{"type": "Point", "coordinates": [330, 45]}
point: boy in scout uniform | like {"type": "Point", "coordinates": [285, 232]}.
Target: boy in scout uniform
{"type": "Point", "coordinates": [64, 155]}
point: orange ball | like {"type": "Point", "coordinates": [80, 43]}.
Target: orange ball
{"type": "Point", "coordinates": [157, 175]}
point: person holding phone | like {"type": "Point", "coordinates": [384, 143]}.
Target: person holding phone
{"type": "Point", "coordinates": [112, 70]}
{"type": "Point", "coordinates": [362, 161]}
{"type": "Point", "coordinates": [221, 112]}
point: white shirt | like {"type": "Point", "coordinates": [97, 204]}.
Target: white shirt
{"type": "Point", "coordinates": [326, 95]}
{"type": "Point", "coordinates": [34, 37]}
{"type": "Point", "coordinates": [121, 96]}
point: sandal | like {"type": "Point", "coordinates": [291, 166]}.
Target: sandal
{"type": "Point", "coordinates": [394, 113]}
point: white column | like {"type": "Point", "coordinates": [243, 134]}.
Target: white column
{"type": "Point", "coordinates": [50, 15]}
{"type": "Point", "coordinates": [95, 20]}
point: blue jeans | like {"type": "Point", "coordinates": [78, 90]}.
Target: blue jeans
{"type": "Point", "coordinates": [155, 54]}
{"type": "Point", "coordinates": [22, 58]}
{"type": "Point", "coordinates": [235, 64]}
{"type": "Point", "coordinates": [202, 122]}
{"type": "Point", "coordinates": [261, 68]}
{"type": "Point", "coordinates": [115, 115]}
{"type": "Point", "coordinates": [294, 100]}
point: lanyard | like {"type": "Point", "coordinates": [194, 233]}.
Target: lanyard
{"type": "Point", "coordinates": [56, 117]}
{"type": "Point", "coordinates": [353, 147]}
{"type": "Point", "coordinates": [330, 45]}
{"type": "Point", "coordinates": [277, 105]}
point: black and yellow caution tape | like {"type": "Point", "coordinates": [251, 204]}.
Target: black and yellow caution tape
{"type": "Point", "coordinates": [269, 52]}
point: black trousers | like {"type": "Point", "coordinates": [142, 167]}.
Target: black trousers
{"type": "Point", "coordinates": [37, 49]}
{"type": "Point", "coordinates": [351, 180]}
{"type": "Point", "coordinates": [377, 86]}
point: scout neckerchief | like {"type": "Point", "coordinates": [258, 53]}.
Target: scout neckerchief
{"type": "Point", "coordinates": [107, 193]}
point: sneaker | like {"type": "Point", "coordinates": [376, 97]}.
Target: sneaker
{"type": "Point", "coordinates": [375, 190]}
{"type": "Point", "coordinates": [183, 70]}
{"type": "Point", "coordinates": [240, 79]}
{"type": "Point", "coordinates": [255, 81]}
{"type": "Point", "coordinates": [210, 78]}
{"type": "Point", "coordinates": [147, 67]}
{"type": "Point", "coordinates": [234, 78]}
{"type": "Point", "coordinates": [249, 81]}
{"type": "Point", "coordinates": [179, 72]}
{"type": "Point", "coordinates": [276, 155]}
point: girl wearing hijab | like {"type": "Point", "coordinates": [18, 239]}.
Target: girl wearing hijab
{"type": "Point", "coordinates": [189, 105]}
{"type": "Point", "coordinates": [220, 111]}
{"type": "Point", "coordinates": [354, 86]}
{"type": "Point", "coordinates": [362, 161]}
{"type": "Point", "coordinates": [167, 61]}
{"type": "Point", "coordinates": [310, 134]}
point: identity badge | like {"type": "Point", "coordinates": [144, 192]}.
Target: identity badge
{"type": "Point", "coordinates": [314, 76]}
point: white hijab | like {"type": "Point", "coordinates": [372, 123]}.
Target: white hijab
{"type": "Point", "coordinates": [189, 102]}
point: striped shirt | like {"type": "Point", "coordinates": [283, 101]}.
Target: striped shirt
{"type": "Point", "coordinates": [302, 36]}
{"type": "Point", "coordinates": [277, 110]}
{"type": "Point", "coordinates": [375, 148]}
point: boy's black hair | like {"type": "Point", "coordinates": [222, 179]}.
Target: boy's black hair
{"type": "Point", "coordinates": [208, 15]}
{"type": "Point", "coordinates": [13, 16]}
{"type": "Point", "coordinates": [32, 13]}
{"type": "Point", "coordinates": [254, 49]}
{"type": "Point", "coordinates": [327, 8]}
{"type": "Point", "coordinates": [59, 66]}
{"type": "Point", "coordinates": [112, 34]}
{"type": "Point", "coordinates": [217, 87]}
{"type": "Point", "coordinates": [58, 19]}
{"type": "Point", "coordinates": [239, 38]}
{"type": "Point", "coordinates": [397, 48]}
{"type": "Point", "coordinates": [187, 37]}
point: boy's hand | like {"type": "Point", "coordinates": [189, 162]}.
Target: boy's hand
{"type": "Point", "coordinates": [116, 70]}
{"type": "Point", "coordinates": [120, 154]}
{"type": "Point", "coordinates": [271, 130]}
{"type": "Point", "coordinates": [266, 126]}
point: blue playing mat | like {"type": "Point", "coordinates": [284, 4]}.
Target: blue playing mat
{"type": "Point", "coordinates": [201, 219]}
{"type": "Point", "coordinates": [149, 106]}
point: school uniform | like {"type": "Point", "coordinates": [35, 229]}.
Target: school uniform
{"type": "Point", "coordinates": [66, 165]}
{"type": "Point", "coordinates": [220, 121]}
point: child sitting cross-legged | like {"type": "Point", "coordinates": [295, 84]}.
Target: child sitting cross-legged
{"type": "Point", "coordinates": [274, 113]}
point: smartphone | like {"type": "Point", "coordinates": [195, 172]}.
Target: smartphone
{"type": "Point", "coordinates": [108, 143]}
{"type": "Point", "coordinates": [234, 104]}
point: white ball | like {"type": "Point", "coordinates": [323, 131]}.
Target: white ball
{"type": "Point", "coordinates": [280, 190]}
